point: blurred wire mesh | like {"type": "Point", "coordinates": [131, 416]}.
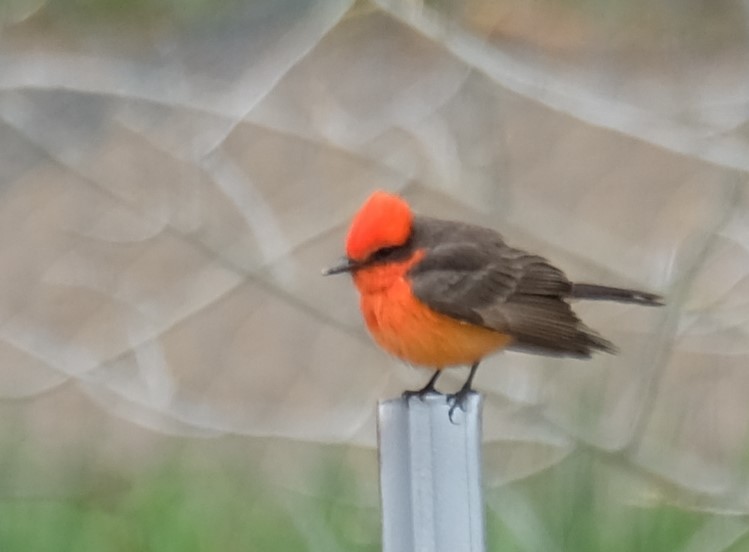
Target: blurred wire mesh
{"type": "Point", "coordinates": [174, 175]}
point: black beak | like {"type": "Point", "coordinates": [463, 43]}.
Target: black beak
{"type": "Point", "coordinates": [344, 265]}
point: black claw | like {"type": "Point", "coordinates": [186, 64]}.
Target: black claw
{"type": "Point", "coordinates": [421, 393]}
{"type": "Point", "coordinates": [428, 389]}
{"type": "Point", "coordinates": [458, 400]}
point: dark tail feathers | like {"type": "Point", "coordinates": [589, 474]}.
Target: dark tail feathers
{"type": "Point", "coordinates": [605, 293]}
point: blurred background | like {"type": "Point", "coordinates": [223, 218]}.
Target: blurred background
{"type": "Point", "coordinates": [175, 374]}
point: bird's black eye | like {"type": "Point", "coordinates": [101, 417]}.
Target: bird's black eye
{"type": "Point", "coordinates": [383, 253]}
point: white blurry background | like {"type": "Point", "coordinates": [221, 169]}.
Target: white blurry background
{"type": "Point", "coordinates": [174, 175]}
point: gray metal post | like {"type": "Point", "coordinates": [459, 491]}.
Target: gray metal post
{"type": "Point", "coordinates": [430, 476]}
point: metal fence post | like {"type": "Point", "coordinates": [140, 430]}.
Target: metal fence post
{"type": "Point", "coordinates": [430, 476]}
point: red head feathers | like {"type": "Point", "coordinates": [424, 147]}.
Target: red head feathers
{"type": "Point", "coordinates": [383, 221]}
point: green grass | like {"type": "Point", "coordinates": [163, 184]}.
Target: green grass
{"type": "Point", "coordinates": [573, 506]}
{"type": "Point", "coordinates": [168, 510]}
{"type": "Point", "coordinates": [213, 503]}
{"type": "Point", "coordinates": [204, 497]}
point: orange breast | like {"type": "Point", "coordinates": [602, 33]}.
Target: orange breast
{"type": "Point", "coordinates": [408, 329]}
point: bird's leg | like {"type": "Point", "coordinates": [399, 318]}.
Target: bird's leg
{"type": "Point", "coordinates": [428, 389]}
{"type": "Point", "coordinates": [458, 399]}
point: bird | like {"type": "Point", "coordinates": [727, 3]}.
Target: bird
{"type": "Point", "coordinates": [439, 293]}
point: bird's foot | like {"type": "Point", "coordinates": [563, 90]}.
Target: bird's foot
{"type": "Point", "coordinates": [428, 389]}
{"type": "Point", "coordinates": [458, 400]}
{"type": "Point", "coordinates": [420, 393]}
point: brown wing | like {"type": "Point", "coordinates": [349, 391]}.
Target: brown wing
{"type": "Point", "coordinates": [485, 282]}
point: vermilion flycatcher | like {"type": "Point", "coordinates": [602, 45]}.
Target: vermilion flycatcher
{"type": "Point", "coordinates": [438, 293]}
